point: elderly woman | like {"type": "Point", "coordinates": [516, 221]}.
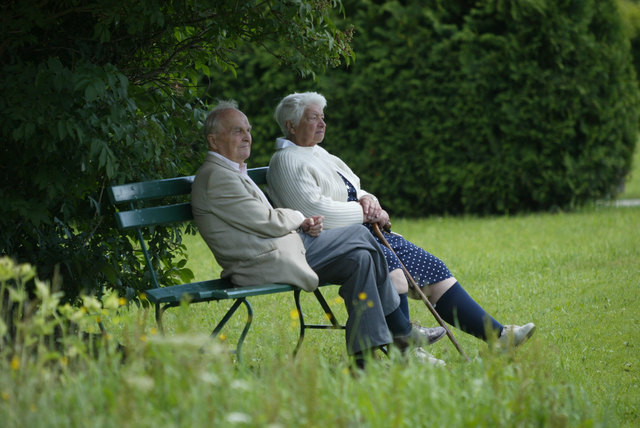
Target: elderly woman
{"type": "Point", "coordinates": [304, 176]}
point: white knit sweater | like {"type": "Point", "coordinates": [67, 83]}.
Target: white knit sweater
{"type": "Point", "coordinates": [306, 179]}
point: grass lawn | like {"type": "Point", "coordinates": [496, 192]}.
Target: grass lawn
{"type": "Point", "coordinates": [576, 275]}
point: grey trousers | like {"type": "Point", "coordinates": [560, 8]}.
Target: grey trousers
{"type": "Point", "coordinates": [351, 257]}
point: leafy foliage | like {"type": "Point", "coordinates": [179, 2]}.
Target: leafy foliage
{"type": "Point", "coordinates": [104, 92]}
{"type": "Point", "coordinates": [497, 107]}
{"type": "Point", "coordinates": [486, 106]}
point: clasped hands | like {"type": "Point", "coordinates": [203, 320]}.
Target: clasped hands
{"type": "Point", "coordinates": [312, 226]}
{"type": "Point", "coordinates": [373, 212]}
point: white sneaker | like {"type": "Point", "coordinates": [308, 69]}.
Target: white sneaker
{"type": "Point", "coordinates": [515, 335]}
{"type": "Point", "coordinates": [422, 356]}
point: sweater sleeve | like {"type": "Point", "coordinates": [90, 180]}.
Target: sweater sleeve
{"type": "Point", "coordinates": [307, 185]}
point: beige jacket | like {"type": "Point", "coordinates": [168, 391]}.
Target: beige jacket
{"type": "Point", "coordinates": [253, 242]}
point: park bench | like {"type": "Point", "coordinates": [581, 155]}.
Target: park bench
{"type": "Point", "coordinates": [143, 205]}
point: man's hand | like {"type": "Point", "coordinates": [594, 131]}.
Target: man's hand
{"type": "Point", "coordinates": [312, 226]}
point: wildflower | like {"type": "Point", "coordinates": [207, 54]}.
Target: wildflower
{"type": "Point", "coordinates": [240, 385]}
{"type": "Point", "coordinates": [25, 271]}
{"type": "Point", "coordinates": [338, 300]}
{"type": "Point", "coordinates": [6, 269]}
{"type": "Point", "coordinates": [209, 378]}
{"type": "Point", "coordinates": [362, 296]}
{"type": "Point", "coordinates": [91, 304]}
{"type": "Point", "coordinates": [238, 418]}
{"type": "Point", "coordinates": [153, 331]}
{"type": "Point", "coordinates": [222, 336]}
{"type": "Point", "coordinates": [370, 303]}
{"type": "Point", "coordinates": [143, 383]}
{"type": "Point", "coordinates": [17, 295]}
{"type": "Point", "coordinates": [5, 396]}
{"type": "Point", "coordinates": [143, 338]}
{"type": "Point", "coordinates": [110, 300]}
{"type": "Point", "coordinates": [15, 363]}
{"type": "Point", "coordinates": [122, 301]}
{"type": "Point", "coordinates": [294, 314]}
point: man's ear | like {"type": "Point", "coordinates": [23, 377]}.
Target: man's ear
{"type": "Point", "coordinates": [211, 139]}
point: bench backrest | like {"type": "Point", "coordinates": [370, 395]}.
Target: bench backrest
{"type": "Point", "coordinates": [153, 195]}
{"type": "Point", "coordinates": [159, 189]}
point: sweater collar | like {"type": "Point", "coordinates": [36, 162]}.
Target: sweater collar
{"type": "Point", "coordinates": [283, 143]}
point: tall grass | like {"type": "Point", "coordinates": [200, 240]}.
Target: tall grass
{"type": "Point", "coordinates": [576, 275]}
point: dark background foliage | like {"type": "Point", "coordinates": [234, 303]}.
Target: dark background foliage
{"type": "Point", "coordinates": [487, 107]}
{"type": "Point", "coordinates": [96, 93]}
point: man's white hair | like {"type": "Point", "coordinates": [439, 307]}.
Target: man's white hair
{"type": "Point", "coordinates": [212, 120]}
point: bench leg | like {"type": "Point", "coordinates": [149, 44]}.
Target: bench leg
{"type": "Point", "coordinates": [327, 311]}
{"type": "Point", "coordinates": [160, 311]}
{"type": "Point", "coordinates": [296, 298]}
{"type": "Point", "coordinates": [247, 325]}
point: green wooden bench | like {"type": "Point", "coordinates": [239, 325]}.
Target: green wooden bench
{"type": "Point", "coordinates": [142, 205]}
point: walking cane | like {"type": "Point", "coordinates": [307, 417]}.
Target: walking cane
{"type": "Point", "coordinates": [417, 289]}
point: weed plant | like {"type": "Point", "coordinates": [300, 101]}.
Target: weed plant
{"type": "Point", "coordinates": [574, 274]}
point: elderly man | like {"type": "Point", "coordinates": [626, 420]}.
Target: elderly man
{"type": "Point", "coordinates": [255, 243]}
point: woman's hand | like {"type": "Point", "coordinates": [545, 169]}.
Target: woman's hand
{"type": "Point", "coordinates": [370, 208]}
{"type": "Point", "coordinates": [382, 220]}
{"type": "Point", "coordinates": [312, 226]}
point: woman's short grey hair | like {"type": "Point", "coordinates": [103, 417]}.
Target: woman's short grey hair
{"type": "Point", "coordinates": [212, 120]}
{"type": "Point", "coordinates": [292, 107]}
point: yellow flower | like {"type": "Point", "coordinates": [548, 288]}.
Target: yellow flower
{"type": "Point", "coordinates": [5, 396]}
{"type": "Point", "coordinates": [143, 338]}
{"type": "Point", "coordinates": [154, 331]}
{"type": "Point", "coordinates": [338, 300]}
{"type": "Point", "coordinates": [122, 301]}
{"type": "Point", "coordinates": [362, 295]}
{"type": "Point", "coordinates": [222, 336]}
{"type": "Point", "coordinates": [15, 363]}
{"type": "Point", "coordinates": [370, 304]}
{"type": "Point", "coordinates": [294, 314]}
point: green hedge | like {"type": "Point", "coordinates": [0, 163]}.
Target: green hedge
{"type": "Point", "coordinates": [470, 107]}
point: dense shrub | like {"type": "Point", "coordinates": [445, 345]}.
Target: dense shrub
{"type": "Point", "coordinates": [492, 106]}
{"type": "Point", "coordinates": [102, 92]}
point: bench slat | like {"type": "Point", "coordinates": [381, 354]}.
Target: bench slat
{"type": "Point", "coordinates": [154, 189]}
{"type": "Point", "coordinates": [259, 175]}
{"type": "Point", "coordinates": [215, 289]}
{"type": "Point", "coordinates": [153, 216]}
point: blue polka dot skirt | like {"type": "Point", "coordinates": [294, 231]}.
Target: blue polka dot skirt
{"type": "Point", "coordinates": [425, 268]}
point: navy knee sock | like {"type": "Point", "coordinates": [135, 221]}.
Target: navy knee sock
{"type": "Point", "coordinates": [398, 324]}
{"type": "Point", "coordinates": [458, 308]}
{"type": "Point", "coordinates": [404, 305]}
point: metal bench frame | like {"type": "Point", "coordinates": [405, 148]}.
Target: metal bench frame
{"type": "Point", "coordinates": [138, 211]}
